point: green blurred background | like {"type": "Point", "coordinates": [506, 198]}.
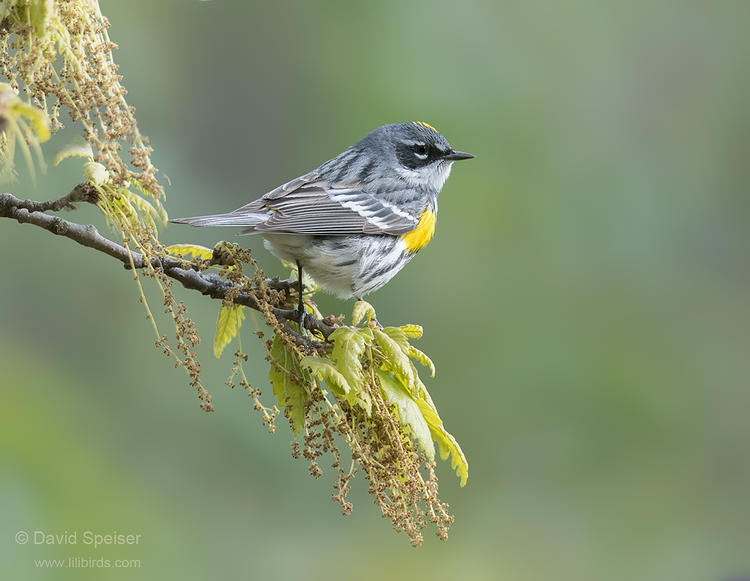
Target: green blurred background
{"type": "Point", "coordinates": [585, 298]}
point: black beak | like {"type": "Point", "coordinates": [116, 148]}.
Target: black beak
{"type": "Point", "coordinates": [454, 155]}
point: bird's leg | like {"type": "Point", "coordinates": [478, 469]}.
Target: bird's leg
{"type": "Point", "coordinates": [301, 307]}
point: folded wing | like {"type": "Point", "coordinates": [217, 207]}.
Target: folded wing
{"type": "Point", "coordinates": [309, 205]}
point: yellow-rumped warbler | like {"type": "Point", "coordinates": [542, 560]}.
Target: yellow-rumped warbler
{"type": "Point", "coordinates": [356, 220]}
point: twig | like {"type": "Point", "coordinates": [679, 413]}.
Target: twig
{"type": "Point", "coordinates": [81, 193]}
{"type": "Point", "coordinates": [210, 284]}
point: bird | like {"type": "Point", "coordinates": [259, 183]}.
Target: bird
{"type": "Point", "coordinates": [356, 220]}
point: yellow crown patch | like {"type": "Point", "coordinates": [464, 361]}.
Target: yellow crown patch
{"type": "Point", "coordinates": [423, 124]}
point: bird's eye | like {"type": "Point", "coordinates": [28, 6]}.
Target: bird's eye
{"type": "Point", "coordinates": [420, 150]}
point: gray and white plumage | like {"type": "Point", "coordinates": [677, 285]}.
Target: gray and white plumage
{"type": "Point", "coordinates": [344, 221]}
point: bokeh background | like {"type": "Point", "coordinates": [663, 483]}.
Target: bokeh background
{"type": "Point", "coordinates": [585, 298]}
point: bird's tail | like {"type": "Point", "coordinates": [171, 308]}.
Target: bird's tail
{"type": "Point", "coordinates": [231, 219]}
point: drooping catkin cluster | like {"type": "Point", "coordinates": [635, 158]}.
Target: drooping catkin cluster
{"type": "Point", "coordinates": [59, 52]}
{"type": "Point", "coordinates": [389, 459]}
{"type": "Point", "coordinates": [401, 477]}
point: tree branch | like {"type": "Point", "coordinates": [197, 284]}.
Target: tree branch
{"type": "Point", "coordinates": [210, 284]}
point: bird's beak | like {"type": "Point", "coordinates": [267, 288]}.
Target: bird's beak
{"type": "Point", "coordinates": [454, 155]}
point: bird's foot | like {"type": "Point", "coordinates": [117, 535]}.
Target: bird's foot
{"type": "Point", "coordinates": [375, 324]}
{"type": "Point", "coordinates": [301, 318]}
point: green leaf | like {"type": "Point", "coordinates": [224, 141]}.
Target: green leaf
{"type": "Point", "coordinates": [95, 173]}
{"type": "Point", "coordinates": [415, 353]}
{"type": "Point", "coordinates": [349, 345]}
{"type": "Point", "coordinates": [188, 250]}
{"type": "Point", "coordinates": [284, 374]}
{"type": "Point", "coordinates": [18, 133]}
{"type": "Point", "coordinates": [38, 119]}
{"type": "Point", "coordinates": [394, 357]}
{"type": "Point", "coordinates": [409, 412]}
{"type": "Point", "coordinates": [324, 369]}
{"type": "Point", "coordinates": [159, 208]}
{"type": "Point", "coordinates": [361, 310]}
{"type": "Point", "coordinates": [447, 444]}
{"type": "Point", "coordinates": [398, 335]}
{"type": "Point", "coordinates": [39, 13]}
{"type": "Point", "coordinates": [412, 331]}
{"type": "Point", "coordinates": [76, 149]}
{"type": "Point", "coordinates": [227, 325]}
{"type": "Point", "coordinates": [144, 206]}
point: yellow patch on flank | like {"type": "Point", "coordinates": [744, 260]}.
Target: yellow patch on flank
{"type": "Point", "coordinates": [423, 124]}
{"type": "Point", "coordinates": [422, 234]}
